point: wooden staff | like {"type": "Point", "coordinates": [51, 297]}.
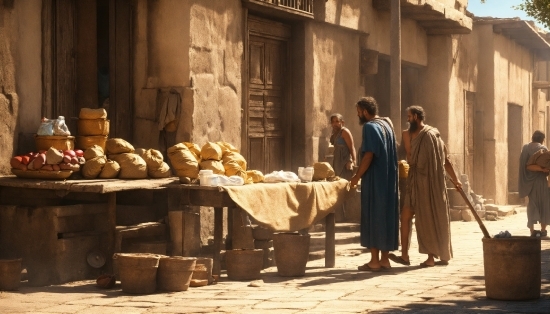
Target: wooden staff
{"type": "Point", "coordinates": [480, 223]}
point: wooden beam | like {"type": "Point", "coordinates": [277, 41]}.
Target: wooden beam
{"type": "Point", "coordinates": [541, 84]}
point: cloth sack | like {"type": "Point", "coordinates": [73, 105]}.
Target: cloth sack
{"type": "Point", "coordinates": [211, 151]}
{"type": "Point", "coordinates": [255, 175]}
{"type": "Point", "coordinates": [90, 114]}
{"type": "Point", "coordinates": [110, 170]}
{"type": "Point", "coordinates": [183, 161]}
{"type": "Point", "coordinates": [236, 157]}
{"type": "Point", "coordinates": [132, 166]}
{"type": "Point", "coordinates": [281, 176]}
{"type": "Point", "coordinates": [322, 171]}
{"type": "Point", "coordinates": [227, 147]}
{"type": "Point", "coordinates": [92, 168]}
{"type": "Point", "coordinates": [153, 158]}
{"type": "Point", "coordinates": [215, 165]}
{"type": "Point", "coordinates": [53, 156]}
{"type": "Point", "coordinates": [93, 152]}
{"type": "Point", "coordinates": [195, 149]}
{"type": "Point", "coordinates": [161, 172]}
{"type": "Point", "coordinates": [115, 146]}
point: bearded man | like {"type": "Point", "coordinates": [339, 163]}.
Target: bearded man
{"type": "Point", "coordinates": [426, 196]}
{"type": "Point", "coordinates": [379, 196]}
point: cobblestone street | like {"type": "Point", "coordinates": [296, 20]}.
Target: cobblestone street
{"type": "Point", "coordinates": [456, 288]}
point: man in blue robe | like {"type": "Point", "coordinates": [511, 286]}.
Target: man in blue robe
{"type": "Point", "coordinates": [379, 189]}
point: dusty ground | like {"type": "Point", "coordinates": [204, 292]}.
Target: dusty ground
{"type": "Point", "coordinates": [458, 287]}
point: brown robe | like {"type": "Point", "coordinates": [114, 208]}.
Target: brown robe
{"type": "Point", "coordinates": [427, 193]}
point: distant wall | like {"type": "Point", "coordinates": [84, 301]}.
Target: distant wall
{"type": "Point", "coordinates": [335, 85]}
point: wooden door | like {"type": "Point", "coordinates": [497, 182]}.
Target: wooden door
{"type": "Point", "coordinates": [515, 134]}
{"type": "Point", "coordinates": [120, 69]}
{"type": "Point", "coordinates": [267, 105]}
{"type": "Point", "coordinates": [72, 49]}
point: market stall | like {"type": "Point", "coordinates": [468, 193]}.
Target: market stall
{"type": "Point", "coordinates": [277, 206]}
{"type": "Point", "coordinates": [53, 225]}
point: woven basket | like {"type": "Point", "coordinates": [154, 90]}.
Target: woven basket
{"type": "Point", "coordinates": [10, 274]}
{"type": "Point", "coordinates": [93, 127]}
{"type": "Point", "coordinates": [85, 142]}
{"type": "Point", "coordinates": [244, 264]}
{"type": "Point", "coordinates": [57, 142]}
{"type": "Point", "coordinates": [138, 272]}
{"type": "Point", "coordinates": [174, 273]}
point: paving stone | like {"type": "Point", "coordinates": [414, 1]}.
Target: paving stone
{"type": "Point", "coordinates": [269, 305]}
{"type": "Point", "coordinates": [64, 308]}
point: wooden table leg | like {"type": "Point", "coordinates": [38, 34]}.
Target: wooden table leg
{"type": "Point", "coordinates": [218, 237]}
{"type": "Point", "coordinates": [330, 241]}
{"type": "Point", "coordinates": [229, 239]}
{"type": "Point", "coordinates": [111, 230]}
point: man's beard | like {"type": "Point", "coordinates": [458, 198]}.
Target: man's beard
{"type": "Point", "coordinates": [362, 120]}
{"type": "Point", "coordinates": [413, 126]}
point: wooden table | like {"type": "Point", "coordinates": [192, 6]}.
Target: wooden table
{"type": "Point", "coordinates": [195, 195]}
{"type": "Point", "coordinates": [105, 187]}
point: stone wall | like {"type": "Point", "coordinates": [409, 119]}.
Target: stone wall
{"type": "Point", "coordinates": [20, 77]}
{"type": "Point", "coordinates": [335, 85]}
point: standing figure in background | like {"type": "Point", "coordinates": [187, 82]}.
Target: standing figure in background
{"type": "Point", "coordinates": [426, 196]}
{"type": "Point", "coordinates": [379, 196]}
{"type": "Point", "coordinates": [344, 149]}
{"type": "Point", "coordinates": [533, 183]}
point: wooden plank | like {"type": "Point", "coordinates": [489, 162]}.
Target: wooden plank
{"type": "Point", "coordinates": [87, 186]}
{"type": "Point", "coordinates": [111, 231]}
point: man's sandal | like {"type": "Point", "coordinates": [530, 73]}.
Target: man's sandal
{"type": "Point", "coordinates": [398, 259]}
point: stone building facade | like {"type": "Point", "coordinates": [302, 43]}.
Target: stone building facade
{"type": "Point", "coordinates": [265, 75]}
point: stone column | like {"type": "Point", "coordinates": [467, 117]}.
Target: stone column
{"type": "Point", "coordinates": [395, 67]}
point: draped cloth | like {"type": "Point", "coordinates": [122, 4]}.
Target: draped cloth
{"type": "Point", "coordinates": [379, 195]}
{"type": "Point", "coordinates": [534, 184]}
{"type": "Point", "coordinates": [427, 193]}
{"type": "Point", "coordinates": [289, 206]}
{"type": "Point", "coordinates": [342, 156]}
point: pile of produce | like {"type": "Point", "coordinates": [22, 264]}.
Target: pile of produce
{"type": "Point", "coordinates": [50, 160]}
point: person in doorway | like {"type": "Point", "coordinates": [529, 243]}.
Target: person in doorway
{"type": "Point", "coordinates": [533, 183]}
{"type": "Point", "coordinates": [379, 196]}
{"type": "Point", "coordinates": [426, 195]}
{"type": "Point", "coordinates": [344, 149]}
